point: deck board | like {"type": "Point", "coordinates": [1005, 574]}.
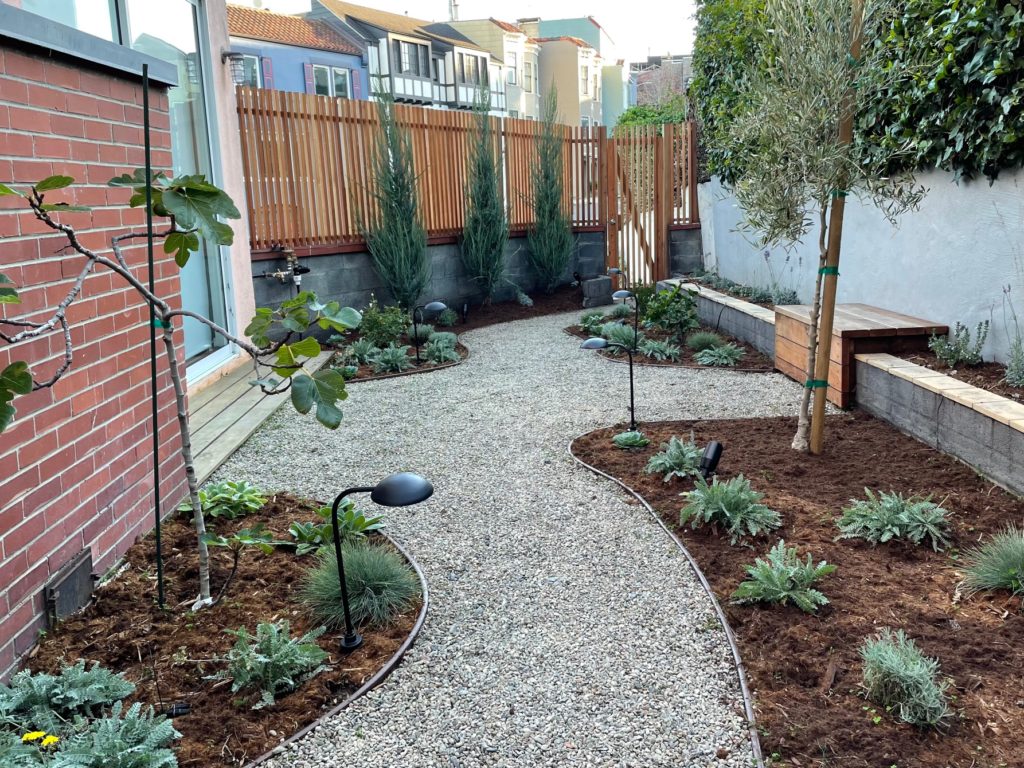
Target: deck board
{"type": "Point", "coordinates": [229, 412]}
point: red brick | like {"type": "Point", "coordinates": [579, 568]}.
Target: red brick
{"type": "Point", "coordinates": [36, 450]}
{"type": "Point", "coordinates": [19, 538]}
{"type": "Point", "coordinates": [85, 151]}
{"type": "Point", "coordinates": [22, 66]}
{"type": "Point", "coordinates": [66, 125]}
{"type": "Point", "coordinates": [46, 146]}
{"type": "Point", "coordinates": [109, 110]}
{"type": "Point", "coordinates": [30, 171]}
{"type": "Point", "coordinates": [15, 144]}
{"type": "Point", "coordinates": [44, 97]}
{"type": "Point", "coordinates": [82, 104]}
{"type": "Point", "coordinates": [110, 153]}
{"type": "Point", "coordinates": [62, 76]}
{"type": "Point", "coordinates": [97, 131]}
{"type": "Point", "coordinates": [13, 90]}
{"type": "Point", "coordinates": [30, 120]}
{"type": "Point", "coordinates": [17, 485]}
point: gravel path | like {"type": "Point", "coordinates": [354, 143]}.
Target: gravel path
{"type": "Point", "coordinates": [564, 628]}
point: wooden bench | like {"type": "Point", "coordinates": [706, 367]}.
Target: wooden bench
{"type": "Point", "coordinates": [858, 329]}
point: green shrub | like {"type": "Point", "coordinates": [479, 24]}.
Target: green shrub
{"type": "Point", "coordinates": [392, 359]}
{"type": "Point", "coordinates": [619, 333]}
{"type": "Point", "coordinates": [485, 231]}
{"type": "Point", "coordinates": [631, 440]}
{"type": "Point", "coordinates": [782, 578]}
{"type": "Point", "coordinates": [698, 341]}
{"type": "Point", "coordinates": [621, 312]}
{"type": "Point", "coordinates": [888, 516]}
{"type": "Point", "coordinates": [440, 352]}
{"type": "Point", "coordinates": [447, 318]}
{"type": "Point", "coordinates": [423, 330]}
{"type": "Point", "coordinates": [382, 325]}
{"type": "Point", "coordinates": [271, 661]}
{"type": "Point", "coordinates": [349, 371]}
{"type": "Point", "coordinates": [958, 349]}
{"type": "Point", "coordinates": [139, 739]}
{"type": "Point", "coordinates": [592, 321]}
{"type": "Point", "coordinates": [783, 296]}
{"type": "Point", "coordinates": [394, 234]}
{"type": "Point", "coordinates": [900, 678]}
{"type": "Point", "coordinates": [659, 350]}
{"type": "Point", "coordinates": [733, 506]}
{"type": "Point", "coordinates": [673, 311]}
{"type": "Point", "coordinates": [49, 702]}
{"type": "Point", "coordinates": [228, 499]}
{"type": "Point", "coordinates": [550, 236]}
{"type": "Point", "coordinates": [444, 337]}
{"type": "Point", "coordinates": [996, 564]}
{"type": "Point", "coordinates": [361, 351]}
{"type": "Point", "coordinates": [676, 459]}
{"type": "Point", "coordinates": [727, 355]}
{"type": "Point", "coordinates": [380, 586]}
{"type": "Point", "coordinates": [1015, 362]}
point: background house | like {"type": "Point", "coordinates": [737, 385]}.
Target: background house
{"type": "Point", "coordinates": [571, 67]}
{"type": "Point", "coordinates": [660, 78]}
{"type": "Point", "coordinates": [77, 461]}
{"type": "Point", "coordinates": [291, 53]}
{"type": "Point", "coordinates": [417, 61]}
{"type": "Point", "coordinates": [510, 44]}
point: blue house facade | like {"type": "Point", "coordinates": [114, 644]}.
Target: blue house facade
{"type": "Point", "coordinates": [291, 53]}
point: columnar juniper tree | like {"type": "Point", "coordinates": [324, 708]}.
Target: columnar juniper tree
{"type": "Point", "coordinates": [191, 209]}
{"type": "Point", "coordinates": [394, 232]}
{"type": "Point", "coordinates": [802, 156]}
{"type": "Point", "coordinates": [485, 232]}
{"type": "Point", "coordinates": [550, 236]}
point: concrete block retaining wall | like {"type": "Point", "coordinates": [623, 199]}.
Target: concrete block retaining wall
{"type": "Point", "coordinates": [747, 322]}
{"type": "Point", "coordinates": [350, 277]}
{"type": "Point", "coordinates": [981, 429]}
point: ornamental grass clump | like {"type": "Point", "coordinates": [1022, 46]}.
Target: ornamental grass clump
{"type": "Point", "coordinates": [676, 459]}
{"type": "Point", "coordinates": [634, 439]}
{"type": "Point", "coordinates": [889, 516]}
{"type": "Point", "coordinates": [421, 331]}
{"type": "Point", "coordinates": [698, 341]}
{"type": "Point", "coordinates": [380, 586]}
{"type": "Point", "coordinates": [784, 578]}
{"type": "Point", "coordinates": [900, 678]}
{"type": "Point", "coordinates": [621, 312]}
{"type": "Point", "coordinates": [725, 355]}
{"type": "Point", "coordinates": [996, 564]}
{"type": "Point", "coordinates": [731, 505]}
{"type": "Point", "coordinates": [659, 350]}
{"type": "Point", "coordinates": [272, 662]}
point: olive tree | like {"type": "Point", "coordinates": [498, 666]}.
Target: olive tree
{"type": "Point", "coordinates": [804, 154]}
{"type": "Point", "coordinates": [189, 209]}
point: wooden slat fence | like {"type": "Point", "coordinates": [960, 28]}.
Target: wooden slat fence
{"type": "Point", "coordinates": [308, 164]}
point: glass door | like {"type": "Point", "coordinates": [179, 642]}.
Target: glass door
{"type": "Point", "coordinates": [169, 30]}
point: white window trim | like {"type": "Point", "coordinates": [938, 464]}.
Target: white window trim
{"type": "Point", "coordinates": [259, 67]}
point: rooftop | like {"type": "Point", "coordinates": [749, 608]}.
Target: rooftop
{"type": "Point", "coordinates": [399, 23]}
{"type": "Point", "coordinates": [287, 30]}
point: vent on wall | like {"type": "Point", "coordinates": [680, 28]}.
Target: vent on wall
{"type": "Point", "coordinates": [70, 589]}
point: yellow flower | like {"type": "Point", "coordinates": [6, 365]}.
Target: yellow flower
{"type": "Point", "coordinates": [50, 740]}
{"type": "Point", "coordinates": [33, 736]}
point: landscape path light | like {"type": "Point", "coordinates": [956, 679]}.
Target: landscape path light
{"type": "Point", "coordinates": [599, 343]}
{"type": "Point", "coordinates": [401, 489]}
{"type": "Point", "coordinates": [434, 306]}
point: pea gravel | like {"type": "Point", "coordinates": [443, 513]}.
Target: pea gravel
{"type": "Point", "coordinates": [565, 629]}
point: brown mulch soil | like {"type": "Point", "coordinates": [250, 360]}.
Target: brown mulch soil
{"type": "Point", "coordinates": [168, 653]}
{"type": "Point", "coordinates": [752, 361]}
{"type": "Point", "coordinates": [565, 299]}
{"type": "Point", "coordinates": [805, 670]}
{"type": "Point", "coordinates": [987, 376]}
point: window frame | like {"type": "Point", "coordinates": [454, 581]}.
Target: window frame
{"type": "Point", "coordinates": [348, 82]}
{"type": "Point", "coordinates": [584, 80]}
{"type": "Point", "coordinates": [528, 76]}
{"type": "Point", "coordinates": [513, 68]}
{"type": "Point", "coordinates": [258, 69]}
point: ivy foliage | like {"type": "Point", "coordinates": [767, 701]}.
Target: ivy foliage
{"type": "Point", "coordinates": [960, 94]}
{"type": "Point", "coordinates": [727, 50]}
{"type": "Point", "coordinates": [672, 110]}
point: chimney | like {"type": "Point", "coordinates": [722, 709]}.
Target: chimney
{"type": "Point", "coordinates": [453, 10]}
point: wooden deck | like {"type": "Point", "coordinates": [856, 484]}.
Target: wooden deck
{"type": "Point", "coordinates": [224, 415]}
{"type": "Point", "coordinates": [858, 329]}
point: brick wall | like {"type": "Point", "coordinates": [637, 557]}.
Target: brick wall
{"type": "Point", "coordinates": [76, 464]}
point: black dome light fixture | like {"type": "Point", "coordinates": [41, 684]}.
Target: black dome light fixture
{"type": "Point", "coordinates": [433, 307]}
{"type": "Point", "coordinates": [402, 489]}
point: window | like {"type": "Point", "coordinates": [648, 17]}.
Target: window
{"type": "Point", "coordinates": [513, 66]}
{"type": "Point", "coordinates": [95, 17]}
{"type": "Point", "coordinates": [321, 80]}
{"type": "Point", "coordinates": [251, 67]}
{"type": "Point", "coordinates": [342, 83]}
{"type": "Point", "coordinates": [513, 113]}
{"type": "Point", "coordinates": [584, 80]}
{"type": "Point", "coordinates": [585, 121]}
{"type": "Point", "coordinates": [473, 70]}
{"type": "Point", "coordinates": [411, 58]}
{"type": "Point", "coordinates": [597, 87]}
{"type": "Point", "coordinates": [528, 76]}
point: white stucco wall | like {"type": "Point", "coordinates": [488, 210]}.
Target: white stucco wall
{"type": "Point", "coordinates": [946, 262]}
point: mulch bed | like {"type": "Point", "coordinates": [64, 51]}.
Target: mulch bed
{"type": "Point", "coordinates": [366, 372]}
{"type": "Point", "coordinates": [168, 653]}
{"type": "Point", "coordinates": [752, 361]}
{"type": "Point", "coordinates": [987, 376]}
{"type": "Point", "coordinates": [728, 292]}
{"type": "Point", "coordinates": [805, 670]}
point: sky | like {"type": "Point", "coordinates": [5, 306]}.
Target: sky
{"type": "Point", "coordinates": [638, 27]}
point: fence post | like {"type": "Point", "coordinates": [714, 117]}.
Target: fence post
{"type": "Point", "coordinates": [691, 170]}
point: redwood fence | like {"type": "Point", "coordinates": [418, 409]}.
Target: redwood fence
{"type": "Point", "coordinates": [308, 164]}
